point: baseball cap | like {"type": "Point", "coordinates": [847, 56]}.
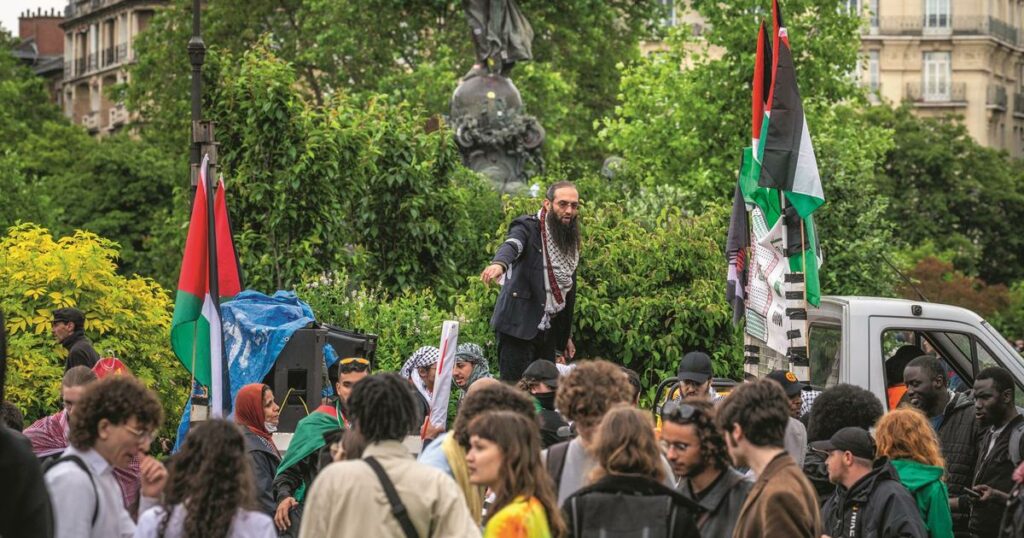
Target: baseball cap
{"type": "Point", "coordinates": [544, 371]}
{"type": "Point", "coordinates": [788, 380]}
{"type": "Point", "coordinates": [851, 438]}
{"type": "Point", "coordinates": [696, 367]}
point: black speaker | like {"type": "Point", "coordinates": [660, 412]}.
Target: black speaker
{"type": "Point", "coordinates": [298, 376]}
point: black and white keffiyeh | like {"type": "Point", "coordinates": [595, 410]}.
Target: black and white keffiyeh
{"type": "Point", "coordinates": [424, 356]}
{"type": "Point", "coordinates": [562, 265]}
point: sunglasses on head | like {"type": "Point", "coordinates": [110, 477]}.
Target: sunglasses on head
{"type": "Point", "coordinates": [353, 363]}
{"type": "Point", "coordinates": [678, 412]}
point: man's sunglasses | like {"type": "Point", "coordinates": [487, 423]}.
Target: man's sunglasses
{"type": "Point", "coordinates": [678, 412]}
{"type": "Point", "coordinates": [353, 363]}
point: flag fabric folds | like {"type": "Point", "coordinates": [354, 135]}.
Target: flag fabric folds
{"type": "Point", "coordinates": [196, 334]}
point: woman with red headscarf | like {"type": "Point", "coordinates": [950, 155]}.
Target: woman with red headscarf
{"type": "Point", "coordinates": [257, 414]}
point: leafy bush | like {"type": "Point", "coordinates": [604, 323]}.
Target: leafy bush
{"type": "Point", "coordinates": [126, 317]}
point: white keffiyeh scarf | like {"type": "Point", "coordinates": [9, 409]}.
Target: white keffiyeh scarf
{"type": "Point", "coordinates": [563, 266]}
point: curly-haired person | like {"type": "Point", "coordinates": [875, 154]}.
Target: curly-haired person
{"type": "Point", "coordinates": [113, 423]}
{"type": "Point", "coordinates": [696, 449]}
{"type": "Point", "coordinates": [782, 502]}
{"type": "Point", "coordinates": [209, 491]}
{"type": "Point", "coordinates": [834, 409]}
{"type": "Point", "coordinates": [584, 396]}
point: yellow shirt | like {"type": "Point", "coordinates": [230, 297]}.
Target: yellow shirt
{"type": "Point", "coordinates": [522, 518]}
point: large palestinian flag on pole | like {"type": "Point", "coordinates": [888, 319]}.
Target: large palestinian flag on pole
{"type": "Point", "coordinates": [196, 335]}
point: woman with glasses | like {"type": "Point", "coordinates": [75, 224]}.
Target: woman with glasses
{"type": "Point", "coordinates": [626, 494]}
{"type": "Point", "coordinates": [209, 490]}
{"type": "Point", "coordinates": [257, 414]}
{"type": "Point", "coordinates": [504, 456]}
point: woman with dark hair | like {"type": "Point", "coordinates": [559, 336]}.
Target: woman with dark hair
{"type": "Point", "coordinates": [905, 436]}
{"type": "Point", "coordinates": [836, 408]}
{"type": "Point", "coordinates": [209, 492]}
{"type": "Point", "coordinates": [626, 494]}
{"type": "Point", "coordinates": [504, 455]}
{"type": "Point", "coordinates": [257, 414]}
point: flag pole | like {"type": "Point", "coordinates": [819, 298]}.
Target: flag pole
{"type": "Point", "coordinates": [807, 318]}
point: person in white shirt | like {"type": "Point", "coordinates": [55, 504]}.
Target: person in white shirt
{"type": "Point", "coordinates": [113, 423]}
{"type": "Point", "coordinates": [209, 491]}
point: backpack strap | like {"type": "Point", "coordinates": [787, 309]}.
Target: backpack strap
{"type": "Point", "coordinates": [1015, 438]}
{"type": "Point", "coordinates": [397, 508]}
{"type": "Point", "coordinates": [85, 468]}
{"type": "Point", "coordinates": [555, 462]}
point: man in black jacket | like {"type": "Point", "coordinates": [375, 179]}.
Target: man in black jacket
{"type": "Point", "coordinates": [537, 268]}
{"type": "Point", "coordinates": [869, 499]}
{"type": "Point", "coordinates": [68, 328]}
{"type": "Point", "coordinates": [997, 416]}
{"type": "Point", "coordinates": [952, 416]}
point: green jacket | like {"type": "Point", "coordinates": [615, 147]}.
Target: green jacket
{"type": "Point", "coordinates": [925, 483]}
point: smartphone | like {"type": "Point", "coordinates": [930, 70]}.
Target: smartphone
{"type": "Point", "coordinates": [972, 493]}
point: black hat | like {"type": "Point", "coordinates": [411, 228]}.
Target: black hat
{"type": "Point", "coordinates": [72, 315]}
{"type": "Point", "coordinates": [851, 438]}
{"type": "Point", "coordinates": [544, 371]}
{"type": "Point", "coordinates": [788, 380]}
{"type": "Point", "coordinates": [696, 367]}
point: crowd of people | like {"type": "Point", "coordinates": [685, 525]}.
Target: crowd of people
{"type": "Point", "coordinates": [553, 447]}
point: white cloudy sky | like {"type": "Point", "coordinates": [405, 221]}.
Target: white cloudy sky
{"type": "Point", "coordinates": [10, 9]}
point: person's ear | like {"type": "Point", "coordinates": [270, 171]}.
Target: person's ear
{"type": "Point", "coordinates": [737, 433]}
{"type": "Point", "coordinates": [547, 204]}
{"type": "Point", "coordinates": [103, 428]}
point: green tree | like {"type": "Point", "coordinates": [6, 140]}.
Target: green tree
{"type": "Point", "coordinates": [127, 317]}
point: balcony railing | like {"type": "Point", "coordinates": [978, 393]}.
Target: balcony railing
{"type": "Point", "coordinates": [91, 121]}
{"type": "Point", "coordinates": [121, 52]}
{"type": "Point", "coordinates": [80, 66]}
{"type": "Point", "coordinates": [108, 56]}
{"type": "Point", "coordinates": [996, 96]}
{"type": "Point", "coordinates": [92, 65]}
{"type": "Point", "coordinates": [947, 25]}
{"type": "Point", "coordinates": [118, 115]}
{"type": "Point", "coordinates": [1018, 104]}
{"type": "Point", "coordinates": [950, 93]}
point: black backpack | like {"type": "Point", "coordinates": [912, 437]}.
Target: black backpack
{"type": "Point", "coordinates": [50, 464]}
{"type": "Point", "coordinates": [555, 462]}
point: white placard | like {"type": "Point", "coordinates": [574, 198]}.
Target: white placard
{"type": "Point", "coordinates": [443, 378]}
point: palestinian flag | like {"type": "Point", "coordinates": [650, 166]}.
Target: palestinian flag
{"type": "Point", "coordinates": [196, 335]}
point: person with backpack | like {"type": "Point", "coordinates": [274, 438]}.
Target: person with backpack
{"type": "Point", "coordinates": [385, 493]}
{"type": "Point", "coordinates": [209, 490]}
{"type": "Point", "coordinates": [905, 438]}
{"type": "Point", "coordinates": [540, 381]}
{"type": "Point", "coordinates": [626, 495]}
{"type": "Point", "coordinates": [504, 456]}
{"type": "Point", "coordinates": [584, 396]}
{"type": "Point", "coordinates": [113, 423]}
{"type": "Point", "coordinates": [999, 452]}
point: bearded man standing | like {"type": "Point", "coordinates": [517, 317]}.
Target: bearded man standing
{"type": "Point", "coordinates": [536, 266]}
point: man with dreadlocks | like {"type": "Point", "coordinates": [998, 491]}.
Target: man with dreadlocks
{"type": "Point", "coordinates": [536, 266]}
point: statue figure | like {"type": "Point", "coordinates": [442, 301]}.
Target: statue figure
{"type": "Point", "coordinates": [495, 135]}
{"type": "Point", "coordinates": [501, 35]}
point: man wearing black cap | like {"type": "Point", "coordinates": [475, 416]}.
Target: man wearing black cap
{"type": "Point", "coordinates": [695, 375]}
{"type": "Point", "coordinates": [869, 499]}
{"type": "Point", "coordinates": [796, 432]}
{"type": "Point", "coordinates": [68, 328]}
{"type": "Point", "coordinates": [541, 380]}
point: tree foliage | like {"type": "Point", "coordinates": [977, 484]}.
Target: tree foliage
{"type": "Point", "coordinates": [126, 317]}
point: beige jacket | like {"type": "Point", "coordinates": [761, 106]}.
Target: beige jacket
{"type": "Point", "coordinates": [347, 499]}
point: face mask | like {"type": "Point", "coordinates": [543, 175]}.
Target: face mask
{"type": "Point", "coordinates": [270, 427]}
{"type": "Point", "coordinates": [547, 400]}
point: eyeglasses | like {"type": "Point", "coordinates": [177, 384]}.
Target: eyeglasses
{"type": "Point", "coordinates": [562, 204]}
{"type": "Point", "coordinates": [142, 437]}
{"type": "Point", "coordinates": [678, 447]}
{"type": "Point", "coordinates": [678, 412]}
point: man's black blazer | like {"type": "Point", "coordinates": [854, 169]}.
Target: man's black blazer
{"type": "Point", "coordinates": [520, 305]}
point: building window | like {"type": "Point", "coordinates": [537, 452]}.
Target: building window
{"type": "Point", "coordinates": [874, 13]}
{"type": "Point", "coordinates": [873, 71]}
{"type": "Point", "coordinates": [853, 7]}
{"type": "Point", "coordinates": [937, 74]}
{"type": "Point", "coordinates": [936, 13]}
{"type": "Point", "coordinates": [669, 10]}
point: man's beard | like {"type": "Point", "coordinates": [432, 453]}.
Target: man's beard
{"type": "Point", "coordinates": [565, 236]}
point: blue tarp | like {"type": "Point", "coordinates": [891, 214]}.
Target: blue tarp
{"type": "Point", "coordinates": [256, 328]}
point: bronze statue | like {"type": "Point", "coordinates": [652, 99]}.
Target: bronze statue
{"type": "Point", "coordinates": [495, 135]}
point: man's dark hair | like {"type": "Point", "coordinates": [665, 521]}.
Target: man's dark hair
{"type": "Point", "coordinates": [634, 381]}
{"type": "Point", "coordinates": [336, 369]}
{"type": "Point", "coordinates": [11, 416]}
{"type": "Point", "coordinates": [841, 406]}
{"type": "Point", "coordinates": [497, 397]}
{"type": "Point", "coordinates": [712, 442]}
{"type": "Point", "coordinates": [78, 376]}
{"type": "Point", "coordinates": [761, 408]}
{"type": "Point", "coordinates": [383, 408]}
{"type": "Point", "coordinates": [550, 195]}
{"type": "Point", "coordinates": [116, 398]}
{"type": "Point", "coordinates": [932, 367]}
{"type": "Point", "coordinates": [1001, 379]}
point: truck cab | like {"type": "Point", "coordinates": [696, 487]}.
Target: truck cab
{"type": "Point", "coordinates": [851, 338]}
